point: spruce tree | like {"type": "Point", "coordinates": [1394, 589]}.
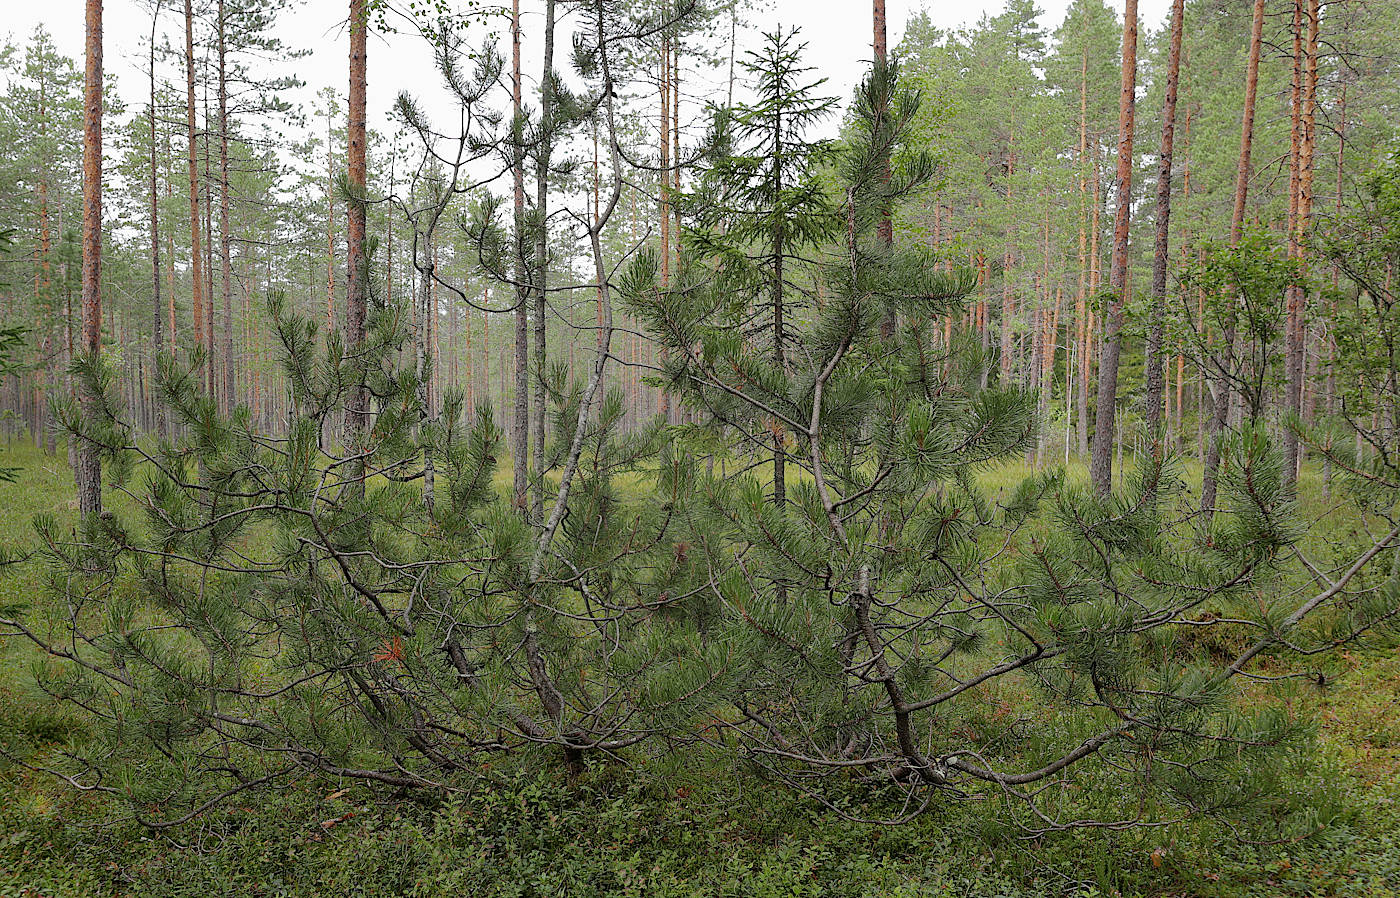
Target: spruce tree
{"type": "Point", "coordinates": [761, 207]}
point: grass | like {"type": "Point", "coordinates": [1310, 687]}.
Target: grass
{"type": "Point", "coordinates": [695, 832]}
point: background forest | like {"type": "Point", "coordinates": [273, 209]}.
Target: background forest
{"type": "Point", "coordinates": [649, 473]}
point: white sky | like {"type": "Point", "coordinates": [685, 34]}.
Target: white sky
{"type": "Point", "coordinates": [832, 29]}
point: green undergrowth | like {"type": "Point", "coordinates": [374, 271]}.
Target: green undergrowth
{"type": "Point", "coordinates": [699, 829]}
{"type": "Point", "coordinates": [701, 834]}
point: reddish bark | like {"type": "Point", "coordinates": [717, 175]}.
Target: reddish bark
{"type": "Point", "coordinates": [357, 411]}
{"type": "Point", "coordinates": [1101, 460]}
{"type": "Point", "coordinates": [196, 251]}
{"type": "Point", "coordinates": [89, 465]}
{"type": "Point", "coordinates": [1300, 205]}
{"type": "Point", "coordinates": [227, 387]}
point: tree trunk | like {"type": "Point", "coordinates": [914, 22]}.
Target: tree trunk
{"type": "Point", "coordinates": [207, 185]}
{"type": "Point", "coordinates": [1330, 383]}
{"type": "Point", "coordinates": [676, 145]}
{"type": "Point", "coordinates": [1154, 376]}
{"type": "Point", "coordinates": [1008, 293]}
{"type": "Point", "coordinates": [889, 324]}
{"type": "Point", "coordinates": [1303, 121]}
{"type": "Point", "coordinates": [1081, 312]}
{"type": "Point", "coordinates": [330, 224]}
{"type": "Point", "coordinates": [1101, 462]}
{"type": "Point", "coordinates": [425, 359]}
{"type": "Point", "coordinates": [170, 253]}
{"type": "Point", "coordinates": [1087, 357]}
{"type": "Point", "coordinates": [733, 45]}
{"type": "Point", "coordinates": [356, 290]}
{"type": "Point", "coordinates": [486, 345]}
{"type": "Point", "coordinates": [1221, 400]}
{"type": "Point", "coordinates": [89, 468]}
{"type": "Point", "coordinates": [779, 354]}
{"type": "Point", "coordinates": [43, 296]}
{"type": "Point", "coordinates": [541, 278]}
{"type": "Point", "coordinates": [196, 250]}
{"type": "Point", "coordinates": [520, 428]}
{"type": "Point", "coordinates": [158, 311]}
{"type": "Point", "coordinates": [227, 391]}
{"type": "Point", "coordinates": [665, 194]}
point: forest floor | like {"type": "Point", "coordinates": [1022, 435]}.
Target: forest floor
{"type": "Point", "coordinates": [705, 832]}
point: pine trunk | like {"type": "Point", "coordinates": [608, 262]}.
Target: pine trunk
{"type": "Point", "coordinates": [541, 277]}
{"type": "Point", "coordinates": [520, 427]}
{"type": "Point", "coordinates": [211, 357]}
{"type": "Point", "coordinates": [1101, 461]}
{"type": "Point", "coordinates": [196, 250]}
{"type": "Point", "coordinates": [1305, 99]}
{"type": "Point", "coordinates": [889, 323]}
{"type": "Point", "coordinates": [665, 193]}
{"type": "Point", "coordinates": [357, 408]}
{"type": "Point", "coordinates": [330, 226]}
{"type": "Point", "coordinates": [89, 465]}
{"type": "Point", "coordinates": [1008, 294]}
{"type": "Point", "coordinates": [1081, 316]}
{"type": "Point", "coordinates": [157, 309]}
{"type": "Point", "coordinates": [1156, 326]}
{"type": "Point", "coordinates": [1220, 401]}
{"type": "Point", "coordinates": [227, 388]}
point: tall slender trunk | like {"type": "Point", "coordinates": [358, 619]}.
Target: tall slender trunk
{"type": "Point", "coordinates": [776, 292]}
{"type": "Point", "coordinates": [1046, 336]}
{"type": "Point", "coordinates": [733, 45]}
{"type": "Point", "coordinates": [228, 387]}
{"type": "Point", "coordinates": [1304, 139]}
{"type": "Point", "coordinates": [196, 250]}
{"type": "Point", "coordinates": [356, 290]}
{"type": "Point", "coordinates": [486, 345]}
{"type": "Point", "coordinates": [676, 145]}
{"type": "Point", "coordinates": [330, 225]}
{"type": "Point", "coordinates": [211, 354]}
{"type": "Point", "coordinates": [158, 311]}
{"type": "Point", "coordinates": [885, 229]}
{"type": "Point", "coordinates": [630, 390]}
{"type": "Point", "coordinates": [541, 276]}
{"type": "Point", "coordinates": [1081, 316]}
{"type": "Point", "coordinates": [1090, 352]}
{"type": "Point", "coordinates": [425, 358]}
{"type": "Point", "coordinates": [1101, 461]}
{"type": "Point", "coordinates": [1156, 326]}
{"type": "Point", "coordinates": [520, 429]}
{"type": "Point", "coordinates": [675, 72]}
{"type": "Point", "coordinates": [43, 295]}
{"type": "Point", "coordinates": [1178, 414]}
{"type": "Point", "coordinates": [89, 466]}
{"type": "Point", "coordinates": [1330, 382]}
{"type": "Point", "coordinates": [170, 253]}
{"type": "Point", "coordinates": [665, 195]}
{"type": "Point", "coordinates": [1008, 291]}
{"type": "Point", "coordinates": [1221, 400]}
{"type": "Point", "coordinates": [389, 231]}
